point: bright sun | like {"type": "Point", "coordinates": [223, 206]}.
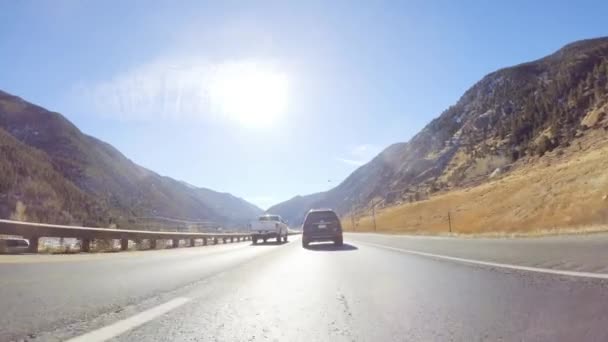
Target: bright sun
{"type": "Point", "coordinates": [249, 94]}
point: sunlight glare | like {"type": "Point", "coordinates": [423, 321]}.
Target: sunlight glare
{"type": "Point", "coordinates": [248, 93]}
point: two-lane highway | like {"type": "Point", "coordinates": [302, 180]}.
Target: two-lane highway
{"type": "Point", "coordinates": [43, 292]}
{"type": "Point", "coordinates": [371, 289]}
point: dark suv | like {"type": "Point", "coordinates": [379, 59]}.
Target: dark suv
{"type": "Point", "coordinates": [321, 225]}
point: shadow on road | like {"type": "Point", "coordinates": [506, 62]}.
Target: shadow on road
{"type": "Point", "coordinates": [269, 243]}
{"type": "Point", "coordinates": [330, 247]}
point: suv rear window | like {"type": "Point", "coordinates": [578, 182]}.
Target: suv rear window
{"type": "Point", "coordinates": [317, 216]}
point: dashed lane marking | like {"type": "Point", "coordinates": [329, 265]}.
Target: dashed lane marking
{"type": "Point", "coordinates": [125, 325]}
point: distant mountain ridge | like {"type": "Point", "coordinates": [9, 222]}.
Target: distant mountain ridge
{"type": "Point", "coordinates": [509, 118]}
{"type": "Point", "coordinates": [61, 175]}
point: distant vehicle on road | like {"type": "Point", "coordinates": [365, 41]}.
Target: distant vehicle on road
{"type": "Point", "coordinates": [269, 227]}
{"type": "Point", "coordinates": [322, 225]}
{"type": "Point", "coordinates": [13, 245]}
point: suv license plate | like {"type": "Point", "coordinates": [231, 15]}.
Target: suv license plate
{"type": "Point", "coordinates": [322, 226]}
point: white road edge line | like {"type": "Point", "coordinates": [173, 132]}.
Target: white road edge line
{"type": "Point", "coordinates": [115, 329]}
{"type": "Point", "coordinates": [494, 264]}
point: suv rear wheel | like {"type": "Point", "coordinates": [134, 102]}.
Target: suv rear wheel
{"type": "Point", "coordinates": [305, 243]}
{"type": "Point", "coordinates": [338, 241]}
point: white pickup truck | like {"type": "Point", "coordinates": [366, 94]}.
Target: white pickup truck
{"type": "Point", "coordinates": [269, 227]}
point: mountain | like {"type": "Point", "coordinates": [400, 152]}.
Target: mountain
{"type": "Point", "coordinates": [510, 118]}
{"type": "Point", "coordinates": [293, 210]}
{"type": "Point", "coordinates": [60, 175]}
{"type": "Point", "coordinates": [232, 208]}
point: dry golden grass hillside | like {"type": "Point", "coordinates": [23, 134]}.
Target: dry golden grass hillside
{"type": "Point", "coordinates": [565, 190]}
{"type": "Point", "coordinates": [513, 120]}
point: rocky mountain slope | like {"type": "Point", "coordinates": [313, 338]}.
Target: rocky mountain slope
{"type": "Point", "coordinates": [294, 210]}
{"type": "Point", "coordinates": [509, 118]}
{"type": "Point", "coordinates": [61, 175]}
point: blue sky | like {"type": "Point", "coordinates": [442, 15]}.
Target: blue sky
{"type": "Point", "coordinates": [334, 83]}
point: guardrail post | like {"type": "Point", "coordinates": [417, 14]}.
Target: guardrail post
{"type": "Point", "coordinates": [204, 241]}
{"type": "Point", "coordinates": [124, 244]}
{"type": "Point", "coordinates": [152, 243]}
{"type": "Point", "coordinates": [175, 243]}
{"type": "Point", "coordinates": [231, 239]}
{"type": "Point", "coordinates": [85, 245]}
{"type": "Point", "coordinates": [224, 240]}
{"type": "Point", "coordinates": [215, 241]}
{"type": "Point", "coordinates": [192, 242]}
{"type": "Point", "coordinates": [33, 248]}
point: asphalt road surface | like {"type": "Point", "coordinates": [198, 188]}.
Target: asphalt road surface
{"type": "Point", "coordinates": [374, 288]}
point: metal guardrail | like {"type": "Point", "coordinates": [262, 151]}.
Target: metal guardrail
{"type": "Point", "coordinates": [34, 231]}
{"type": "Point", "coordinates": [159, 223]}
